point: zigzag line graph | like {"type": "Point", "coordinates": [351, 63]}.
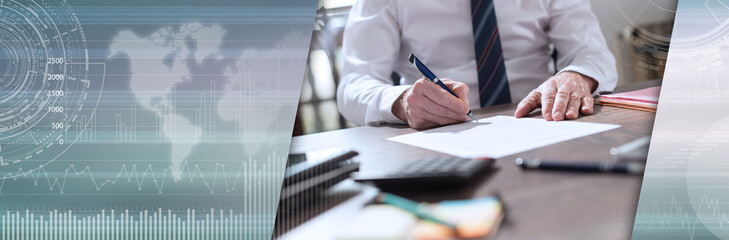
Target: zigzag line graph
{"type": "Point", "coordinates": [708, 210]}
{"type": "Point", "coordinates": [134, 174]}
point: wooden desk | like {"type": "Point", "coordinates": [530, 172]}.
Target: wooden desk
{"type": "Point", "coordinates": [541, 204]}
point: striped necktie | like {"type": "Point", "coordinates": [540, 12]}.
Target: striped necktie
{"type": "Point", "coordinates": [492, 83]}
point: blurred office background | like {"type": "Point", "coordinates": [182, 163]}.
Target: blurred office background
{"type": "Point", "coordinates": [637, 32]}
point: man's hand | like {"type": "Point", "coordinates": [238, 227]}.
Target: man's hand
{"type": "Point", "coordinates": [426, 104]}
{"type": "Point", "coordinates": [561, 97]}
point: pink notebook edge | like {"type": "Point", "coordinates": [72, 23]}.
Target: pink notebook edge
{"type": "Point", "coordinates": [647, 95]}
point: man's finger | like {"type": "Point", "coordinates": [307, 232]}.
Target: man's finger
{"type": "Point", "coordinates": [587, 104]}
{"type": "Point", "coordinates": [549, 92]}
{"type": "Point", "coordinates": [417, 118]}
{"type": "Point", "coordinates": [560, 102]}
{"type": "Point", "coordinates": [445, 99]}
{"type": "Point", "coordinates": [573, 108]}
{"type": "Point", "coordinates": [528, 104]}
{"type": "Point", "coordinates": [460, 89]}
{"type": "Point", "coordinates": [437, 120]}
{"type": "Point", "coordinates": [434, 108]}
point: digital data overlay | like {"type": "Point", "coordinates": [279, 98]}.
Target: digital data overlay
{"type": "Point", "coordinates": [147, 119]}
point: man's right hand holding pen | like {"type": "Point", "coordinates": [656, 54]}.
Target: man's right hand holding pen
{"type": "Point", "coordinates": [426, 104]}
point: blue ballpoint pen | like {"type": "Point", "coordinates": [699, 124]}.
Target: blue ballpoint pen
{"type": "Point", "coordinates": [430, 76]}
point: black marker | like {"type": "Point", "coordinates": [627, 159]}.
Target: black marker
{"type": "Point", "coordinates": [608, 167]}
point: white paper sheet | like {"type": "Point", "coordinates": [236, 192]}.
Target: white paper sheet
{"type": "Point", "coordinates": [499, 136]}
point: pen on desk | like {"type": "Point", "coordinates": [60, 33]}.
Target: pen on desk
{"type": "Point", "coordinates": [630, 168]}
{"type": "Point", "coordinates": [430, 76]}
{"type": "Point", "coordinates": [420, 210]}
{"type": "Point", "coordinates": [633, 146]}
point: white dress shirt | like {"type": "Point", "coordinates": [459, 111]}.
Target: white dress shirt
{"type": "Point", "coordinates": [380, 34]}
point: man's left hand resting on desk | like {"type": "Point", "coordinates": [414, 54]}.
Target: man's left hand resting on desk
{"type": "Point", "coordinates": [563, 96]}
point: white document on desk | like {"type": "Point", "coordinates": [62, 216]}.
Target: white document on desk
{"type": "Point", "coordinates": [499, 136]}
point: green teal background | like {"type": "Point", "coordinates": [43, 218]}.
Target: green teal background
{"type": "Point", "coordinates": [179, 129]}
{"type": "Point", "coordinates": [684, 193]}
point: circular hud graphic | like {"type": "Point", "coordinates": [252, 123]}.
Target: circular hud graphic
{"type": "Point", "coordinates": [44, 82]}
{"type": "Point", "coordinates": [700, 54]}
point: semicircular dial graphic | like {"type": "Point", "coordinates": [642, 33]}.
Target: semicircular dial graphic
{"type": "Point", "coordinates": [44, 83]}
{"type": "Point", "coordinates": [700, 51]}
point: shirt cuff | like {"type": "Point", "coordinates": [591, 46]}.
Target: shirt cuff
{"type": "Point", "coordinates": [388, 97]}
{"type": "Point", "coordinates": [590, 73]}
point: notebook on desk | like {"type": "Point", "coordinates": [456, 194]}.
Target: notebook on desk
{"type": "Point", "coordinates": [644, 99]}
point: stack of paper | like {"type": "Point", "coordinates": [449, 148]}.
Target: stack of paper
{"type": "Point", "coordinates": [644, 99]}
{"type": "Point", "coordinates": [473, 218]}
{"type": "Point", "coordinates": [380, 222]}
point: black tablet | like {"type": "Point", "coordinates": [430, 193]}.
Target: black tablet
{"type": "Point", "coordinates": [313, 163]}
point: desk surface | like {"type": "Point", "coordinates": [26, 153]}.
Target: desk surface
{"type": "Point", "coordinates": [541, 204]}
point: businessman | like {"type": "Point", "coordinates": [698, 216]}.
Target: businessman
{"type": "Point", "coordinates": [459, 41]}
